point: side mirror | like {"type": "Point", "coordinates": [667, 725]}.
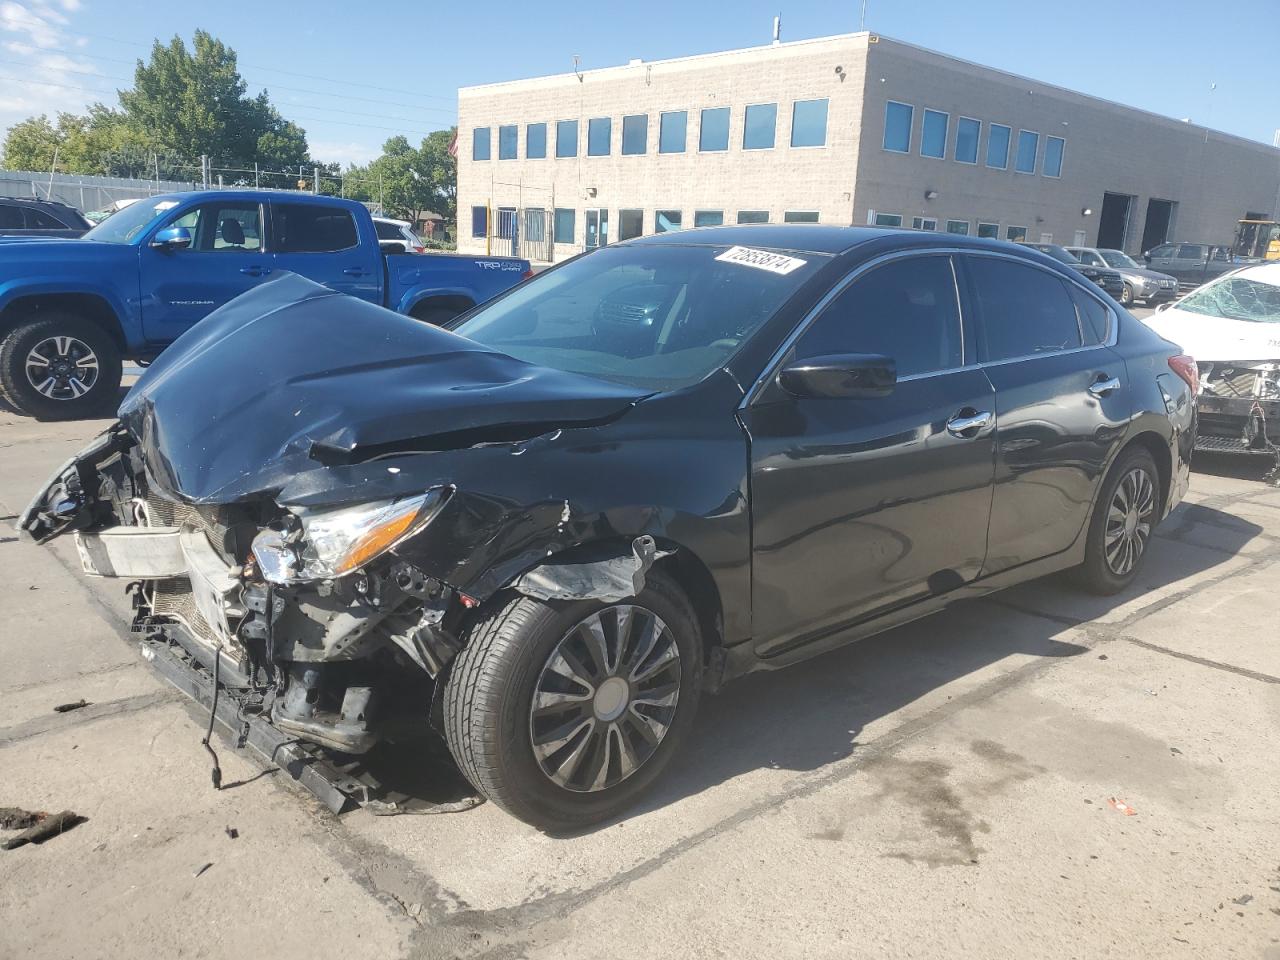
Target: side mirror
{"type": "Point", "coordinates": [1164, 306]}
{"type": "Point", "coordinates": [840, 375]}
{"type": "Point", "coordinates": [172, 238]}
{"type": "Point", "coordinates": [1146, 257]}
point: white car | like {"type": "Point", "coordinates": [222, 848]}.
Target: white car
{"type": "Point", "coordinates": [1231, 325]}
{"type": "Point", "coordinates": [398, 231]}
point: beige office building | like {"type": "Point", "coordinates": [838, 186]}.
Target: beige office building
{"type": "Point", "coordinates": [852, 129]}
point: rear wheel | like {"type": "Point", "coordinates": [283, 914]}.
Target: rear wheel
{"type": "Point", "coordinates": [562, 713]}
{"type": "Point", "coordinates": [60, 367]}
{"type": "Point", "coordinates": [1123, 521]}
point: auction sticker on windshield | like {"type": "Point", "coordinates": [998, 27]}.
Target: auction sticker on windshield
{"type": "Point", "coordinates": [761, 259]}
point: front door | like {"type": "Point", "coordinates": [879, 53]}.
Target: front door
{"type": "Point", "coordinates": [862, 505]}
{"type": "Point", "coordinates": [1062, 404]}
{"type": "Point", "coordinates": [226, 258]}
{"type": "Point", "coordinates": [597, 228]}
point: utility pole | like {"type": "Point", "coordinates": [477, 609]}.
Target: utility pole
{"type": "Point", "coordinates": [53, 169]}
{"type": "Point", "coordinates": [155, 161]}
{"type": "Point", "coordinates": [315, 184]}
{"type": "Point", "coordinates": [862, 21]}
{"type": "Point", "coordinates": [256, 184]}
{"type": "Point", "coordinates": [204, 170]}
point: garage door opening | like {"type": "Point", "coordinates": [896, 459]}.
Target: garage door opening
{"type": "Point", "coordinates": [1159, 220]}
{"type": "Point", "coordinates": [1113, 224]}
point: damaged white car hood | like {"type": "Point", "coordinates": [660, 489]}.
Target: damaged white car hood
{"type": "Point", "coordinates": [1208, 323]}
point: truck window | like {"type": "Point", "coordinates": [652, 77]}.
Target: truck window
{"type": "Point", "coordinates": [312, 228]}
{"type": "Point", "coordinates": [223, 227]}
{"type": "Point", "coordinates": [1190, 251]}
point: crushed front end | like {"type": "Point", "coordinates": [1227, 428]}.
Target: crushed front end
{"type": "Point", "coordinates": [304, 623]}
{"type": "Point", "coordinates": [1239, 407]}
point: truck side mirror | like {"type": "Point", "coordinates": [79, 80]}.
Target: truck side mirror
{"type": "Point", "coordinates": [171, 238]}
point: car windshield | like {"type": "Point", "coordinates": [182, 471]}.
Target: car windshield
{"type": "Point", "coordinates": [653, 316]}
{"type": "Point", "coordinates": [126, 224]}
{"type": "Point", "coordinates": [1118, 258]}
{"type": "Point", "coordinates": [1236, 298]}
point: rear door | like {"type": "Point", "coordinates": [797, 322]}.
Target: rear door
{"type": "Point", "coordinates": [225, 259]}
{"type": "Point", "coordinates": [1061, 398]}
{"type": "Point", "coordinates": [322, 242]}
{"type": "Point", "coordinates": [862, 505]}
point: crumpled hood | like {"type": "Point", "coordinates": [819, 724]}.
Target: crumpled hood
{"type": "Point", "coordinates": [1218, 339]}
{"type": "Point", "coordinates": [293, 377]}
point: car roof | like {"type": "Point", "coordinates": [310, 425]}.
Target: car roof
{"type": "Point", "coordinates": [37, 202]}
{"type": "Point", "coordinates": [816, 238]}
{"type": "Point", "coordinates": [398, 223]}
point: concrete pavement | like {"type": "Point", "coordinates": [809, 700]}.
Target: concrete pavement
{"type": "Point", "coordinates": [940, 790]}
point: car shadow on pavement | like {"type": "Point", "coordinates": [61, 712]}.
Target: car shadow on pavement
{"type": "Point", "coordinates": [816, 713]}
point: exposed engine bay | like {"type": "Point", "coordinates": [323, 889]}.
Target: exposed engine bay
{"type": "Point", "coordinates": [1239, 407]}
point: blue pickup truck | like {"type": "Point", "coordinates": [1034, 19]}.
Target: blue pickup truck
{"type": "Point", "coordinates": [72, 310]}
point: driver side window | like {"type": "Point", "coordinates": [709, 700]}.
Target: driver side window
{"type": "Point", "coordinates": [905, 309]}
{"type": "Point", "coordinates": [223, 227]}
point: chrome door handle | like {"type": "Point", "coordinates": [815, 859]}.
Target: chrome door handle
{"type": "Point", "coordinates": [968, 425]}
{"type": "Point", "coordinates": [1104, 386]}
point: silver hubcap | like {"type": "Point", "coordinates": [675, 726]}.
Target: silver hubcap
{"type": "Point", "coordinates": [605, 699]}
{"type": "Point", "coordinates": [62, 368]}
{"type": "Point", "coordinates": [1129, 521]}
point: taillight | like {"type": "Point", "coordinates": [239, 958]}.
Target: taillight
{"type": "Point", "coordinates": [527, 274]}
{"type": "Point", "coordinates": [1186, 368]}
{"type": "Point", "coordinates": [419, 249]}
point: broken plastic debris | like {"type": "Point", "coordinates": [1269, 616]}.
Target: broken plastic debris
{"type": "Point", "coordinates": [1123, 807]}
{"type": "Point", "coordinates": [68, 707]}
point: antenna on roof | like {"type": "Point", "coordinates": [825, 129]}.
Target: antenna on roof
{"type": "Point", "coordinates": [777, 29]}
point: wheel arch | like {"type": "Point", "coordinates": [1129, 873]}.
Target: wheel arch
{"type": "Point", "coordinates": [1158, 447]}
{"type": "Point", "coordinates": [457, 301]}
{"type": "Point", "coordinates": [90, 306]}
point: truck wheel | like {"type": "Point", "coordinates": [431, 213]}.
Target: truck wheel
{"type": "Point", "coordinates": [60, 367]}
{"type": "Point", "coordinates": [1123, 521]}
{"type": "Point", "coordinates": [564, 712]}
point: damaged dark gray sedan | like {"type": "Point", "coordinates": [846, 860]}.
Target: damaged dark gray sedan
{"type": "Point", "coordinates": [670, 462]}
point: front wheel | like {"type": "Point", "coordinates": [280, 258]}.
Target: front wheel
{"type": "Point", "coordinates": [562, 713]}
{"type": "Point", "coordinates": [1126, 295]}
{"type": "Point", "coordinates": [1123, 521]}
{"type": "Point", "coordinates": [60, 367]}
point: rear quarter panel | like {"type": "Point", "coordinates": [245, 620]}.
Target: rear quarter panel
{"type": "Point", "coordinates": [412, 277]}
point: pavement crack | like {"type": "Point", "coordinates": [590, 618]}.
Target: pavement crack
{"type": "Point", "coordinates": [57, 722]}
{"type": "Point", "coordinates": [1203, 661]}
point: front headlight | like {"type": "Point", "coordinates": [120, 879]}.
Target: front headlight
{"type": "Point", "coordinates": [332, 543]}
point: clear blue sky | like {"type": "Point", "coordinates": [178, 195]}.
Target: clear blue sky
{"type": "Point", "coordinates": [380, 68]}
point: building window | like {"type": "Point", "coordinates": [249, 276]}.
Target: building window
{"type": "Point", "coordinates": [958, 226]}
{"type": "Point", "coordinates": [630, 224]}
{"type": "Point", "coordinates": [1053, 150]}
{"type": "Point", "coordinates": [535, 141]}
{"type": "Point", "coordinates": [567, 138]}
{"type": "Point", "coordinates": [564, 225]}
{"type": "Point", "coordinates": [990, 231]}
{"type": "Point", "coordinates": [753, 216]}
{"type": "Point", "coordinates": [759, 123]}
{"type": "Point", "coordinates": [599, 132]}
{"type": "Point", "coordinates": [480, 143]}
{"type": "Point", "coordinates": [708, 218]}
{"type": "Point", "coordinates": [968, 133]}
{"type": "Point", "coordinates": [809, 123]}
{"type": "Point", "coordinates": [888, 220]}
{"type": "Point", "coordinates": [1015, 233]}
{"type": "Point", "coordinates": [924, 223]}
{"type": "Point", "coordinates": [479, 221]}
{"type": "Point", "coordinates": [897, 126]}
{"type": "Point", "coordinates": [665, 221]}
{"type": "Point", "coordinates": [671, 132]}
{"type": "Point", "coordinates": [507, 136]}
{"type": "Point", "coordinates": [635, 135]}
{"type": "Point", "coordinates": [800, 216]}
{"type": "Point", "coordinates": [933, 134]}
{"type": "Point", "coordinates": [713, 135]}
{"type": "Point", "coordinates": [998, 146]}
{"type": "Point", "coordinates": [1028, 144]}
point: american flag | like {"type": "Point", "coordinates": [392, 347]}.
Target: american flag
{"type": "Point", "coordinates": [453, 145]}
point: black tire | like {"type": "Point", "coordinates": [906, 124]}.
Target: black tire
{"type": "Point", "coordinates": [66, 402]}
{"type": "Point", "coordinates": [489, 696]}
{"type": "Point", "coordinates": [1098, 574]}
{"type": "Point", "coordinates": [436, 316]}
{"type": "Point", "coordinates": [1126, 296]}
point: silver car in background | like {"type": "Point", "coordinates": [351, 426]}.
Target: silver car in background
{"type": "Point", "coordinates": [1140, 283]}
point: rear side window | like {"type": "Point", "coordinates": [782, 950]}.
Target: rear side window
{"type": "Point", "coordinates": [10, 217]}
{"type": "Point", "coordinates": [1023, 310]}
{"type": "Point", "coordinates": [387, 231]}
{"type": "Point", "coordinates": [1094, 317]}
{"type": "Point", "coordinates": [308, 228]}
{"type": "Point", "coordinates": [905, 309]}
{"type": "Point", "coordinates": [39, 220]}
